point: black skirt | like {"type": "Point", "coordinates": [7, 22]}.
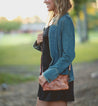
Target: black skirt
{"type": "Point", "coordinates": [63, 95]}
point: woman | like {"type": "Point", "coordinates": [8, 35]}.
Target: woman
{"type": "Point", "coordinates": [57, 44]}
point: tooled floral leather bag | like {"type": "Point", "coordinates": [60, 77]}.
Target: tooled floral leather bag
{"type": "Point", "coordinates": [60, 83]}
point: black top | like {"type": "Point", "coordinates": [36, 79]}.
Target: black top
{"type": "Point", "coordinates": [45, 58]}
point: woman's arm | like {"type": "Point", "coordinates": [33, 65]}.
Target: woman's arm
{"type": "Point", "coordinates": [68, 45]}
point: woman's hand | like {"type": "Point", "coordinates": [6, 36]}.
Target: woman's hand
{"type": "Point", "coordinates": [40, 38]}
{"type": "Point", "coordinates": [42, 80]}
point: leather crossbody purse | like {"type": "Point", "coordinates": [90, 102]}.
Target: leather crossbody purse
{"type": "Point", "coordinates": [60, 83]}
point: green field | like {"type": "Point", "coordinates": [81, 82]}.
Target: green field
{"type": "Point", "coordinates": [14, 79]}
{"type": "Point", "coordinates": [17, 50]}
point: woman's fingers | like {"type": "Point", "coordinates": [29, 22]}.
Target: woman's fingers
{"type": "Point", "coordinates": [42, 80]}
{"type": "Point", "coordinates": [40, 38]}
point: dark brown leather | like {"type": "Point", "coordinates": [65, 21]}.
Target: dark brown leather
{"type": "Point", "coordinates": [60, 83]}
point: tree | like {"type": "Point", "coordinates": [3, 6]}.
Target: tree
{"type": "Point", "coordinates": [82, 27]}
{"type": "Point", "coordinates": [7, 26]}
{"type": "Point", "coordinates": [36, 19]}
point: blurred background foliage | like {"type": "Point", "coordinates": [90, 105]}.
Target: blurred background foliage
{"type": "Point", "coordinates": [7, 26]}
{"type": "Point", "coordinates": [16, 49]}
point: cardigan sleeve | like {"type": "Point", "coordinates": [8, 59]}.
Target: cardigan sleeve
{"type": "Point", "coordinates": [36, 46]}
{"type": "Point", "coordinates": [68, 54]}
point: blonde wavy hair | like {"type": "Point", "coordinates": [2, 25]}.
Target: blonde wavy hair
{"type": "Point", "coordinates": [62, 7]}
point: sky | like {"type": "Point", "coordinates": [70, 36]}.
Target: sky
{"type": "Point", "coordinates": [24, 8]}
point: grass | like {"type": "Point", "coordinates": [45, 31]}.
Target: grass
{"type": "Point", "coordinates": [86, 52]}
{"type": "Point", "coordinates": [14, 79]}
{"type": "Point", "coordinates": [17, 50]}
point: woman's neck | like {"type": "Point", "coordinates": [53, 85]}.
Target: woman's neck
{"type": "Point", "coordinates": [55, 12]}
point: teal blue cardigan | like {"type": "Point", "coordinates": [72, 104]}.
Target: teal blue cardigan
{"type": "Point", "coordinates": [62, 48]}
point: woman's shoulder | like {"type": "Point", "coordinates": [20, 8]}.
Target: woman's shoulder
{"type": "Point", "coordinates": [65, 18]}
{"type": "Point", "coordinates": [65, 21]}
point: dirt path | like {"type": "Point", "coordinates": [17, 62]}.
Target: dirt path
{"type": "Point", "coordinates": [86, 89]}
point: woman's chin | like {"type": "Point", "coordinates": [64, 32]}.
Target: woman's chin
{"type": "Point", "coordinates": [49, 9]}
